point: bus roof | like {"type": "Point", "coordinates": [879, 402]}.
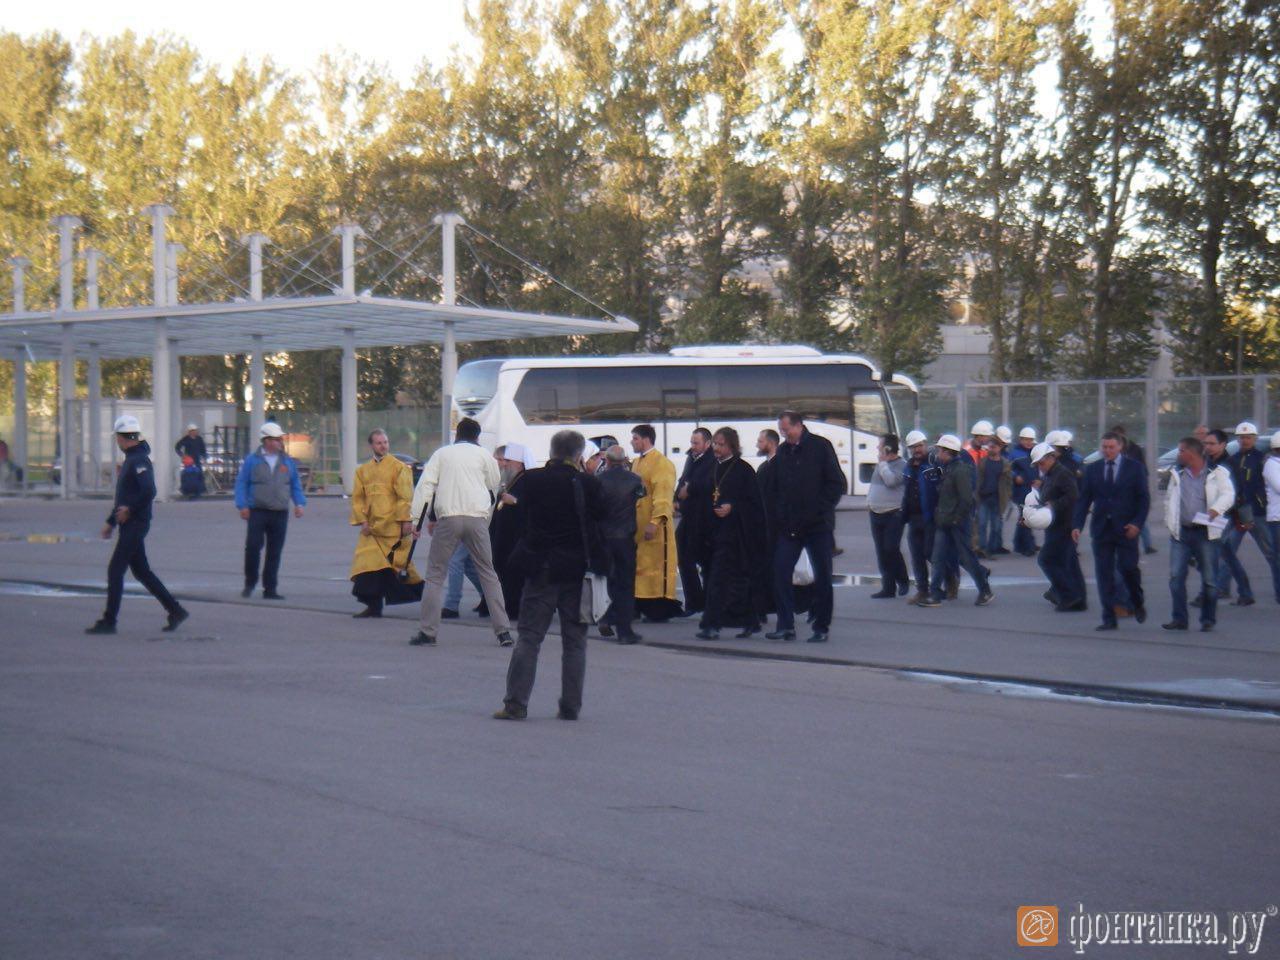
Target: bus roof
{"type": "Point", "coordinates": [698, 356]}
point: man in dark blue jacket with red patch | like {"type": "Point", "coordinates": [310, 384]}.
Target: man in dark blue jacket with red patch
{"type": "Point", "coordinates": [131, 516]}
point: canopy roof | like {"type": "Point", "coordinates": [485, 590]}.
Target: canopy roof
{"type": "Point", "coordinates": [296, 323]}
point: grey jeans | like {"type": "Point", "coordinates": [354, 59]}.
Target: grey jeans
{"type": "Point", "coordinates": [540, 601]}
{"type": "Point", "coordinates": [473, 532]}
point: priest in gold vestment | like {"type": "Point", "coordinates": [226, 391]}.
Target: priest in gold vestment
{"type": "Point", "coordinates": [380, 501]}
{"type": "Point", "coordinates": [656, 569]}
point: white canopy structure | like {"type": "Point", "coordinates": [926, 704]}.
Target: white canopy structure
{"type": "Point", "coordinates": [166, 329]}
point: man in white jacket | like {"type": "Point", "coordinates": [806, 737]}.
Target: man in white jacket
{"type": "Point", "coordinates": [1198, 495]}
{"type": "Point", "coordinates": [458, 488]}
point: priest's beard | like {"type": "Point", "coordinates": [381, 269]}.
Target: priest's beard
{"type": "Point", "coordinates": [509, 475]}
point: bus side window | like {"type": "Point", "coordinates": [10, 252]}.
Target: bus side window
{"type": "Point", "coordinates": [548, 395]}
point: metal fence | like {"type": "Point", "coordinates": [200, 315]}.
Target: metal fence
{"type": "Point", "coordinates": [1155, 413]}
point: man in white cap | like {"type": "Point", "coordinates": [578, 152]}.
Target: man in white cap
{"type": "Point", "coordinates": [952, 518]}
{"type": "Point", "coordinates": [1024, 474]}
{"type": "Point", "coordinates": [131, 517]}
{"type": "Point", "coordinates": [266, 485]}
{"type": "Point", "coordinates": [919, 498]}
{"type": "Point", "coordinates": [1059, 558]}
{"type": "Point", "coordinates": [192, 445]}
{"type": "Point", "coordinates": [1246, 466]}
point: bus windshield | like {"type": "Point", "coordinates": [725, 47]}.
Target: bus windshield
{"type": "Point", "coordinates": [475, 385]}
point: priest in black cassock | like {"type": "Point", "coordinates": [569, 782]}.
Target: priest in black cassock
{"type": "Point", "coordinates": [738, 571]}
{"type": "Point", "coordinates": [693, 535]}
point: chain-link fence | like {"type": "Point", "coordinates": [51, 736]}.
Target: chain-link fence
{"type": "Point", "coordinates": [1155, 413]}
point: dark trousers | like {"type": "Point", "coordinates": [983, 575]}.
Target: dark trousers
{"type": "Point", "coordinates": [622, 584]}
{"type": "Point", "coordinates": [542, 598]}
{"type": "Point", "coordinates": [1060, 561]}
{"type": "Point", "coordinates": [729, 588]}
{"type": "Point", "coordinates": [886, 534]}
{"type": "Point", "coordinates": [270, 525]}
{"type": "Point", "coordinates": [951, 549]}
{"type": "Point", "coordinates": [820, 544]}
{"type": "Point", "coordinates": [691, 555]}
{"type": "Point", "coordinates": [920, 544]}
{"type": "Point", "coordinates": [1024, 540]}
{"type": "Point", "coordinates": [131, 554]}
{"type": "Point", "coordinates": [1112, 557]}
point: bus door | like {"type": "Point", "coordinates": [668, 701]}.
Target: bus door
{"type": "Point", "coordinates": [679, 416]}
{"type": "Point", "coordinates": [862, 449]}
{"type": "Point", "coordinates": [904, 401]}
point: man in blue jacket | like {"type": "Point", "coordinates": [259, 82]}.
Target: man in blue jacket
{"type": "Point", "coordinates": [1024, 475]}
{"type": "Point", "coordinates": [1115, 487]}
{"type": "Point", "coordinates": [919, 497]}
{"type": "Point", "coordinates": [267, 482]}
{"type": "Point", "coordinates": [131, 516]}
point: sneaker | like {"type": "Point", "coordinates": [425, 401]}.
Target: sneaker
{"type": "Point", "coordinates": [919, 597]}
{"type": "Point", "coordinates": [505, 639]}
{"type": "Point", "coordinates": [786, 636]}
{"type": "Point", "coordinates": [271, 595]}
{"type": "Point", "coordinates": [1107, 625]}
{"type": "Point", "coordinates": [929, 601]}
{"type": "Point", "coordinates": [447, 614]}
{"type": "Point", "coordinates": [367, 613]}
{"type": "Point", "coordinates": [175, 620]}
{"type": "Point", "coordinates": [247, 592]}
{"type": "Point", "coordinates": [819, 636]}
{"type": "Point", "coordinates": [102, 627]}
{"type": "Point", "coordinates": [421, 639]}
{"type": "Point", "coordinates": [511, 711]}
{"type": "Point", "coordinates": [1174, 625]}
{"type": "Point", "coordinates": [985, 597]}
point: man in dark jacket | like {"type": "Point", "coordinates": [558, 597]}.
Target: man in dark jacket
{"type": "Point", "coordinates": [554, 553]}
{"type": "Point", "coordinates": [131, 516]}
{"type": "Point", "coordinates": [951, 525]}
{"type": "Point", "coordinates": [693, 535]}
{"type": "Point", "coordinates": [919, 498]}
{"type": "Point", "coordinates": [1116, 490]}
{"type": "Point", "coordinates": [1059, 558]}
{"type": "Point", "coordinates": [1248, 518]}
{"type": "Point", "coordinates": [805, 483]}
{"type": "Point", "coordinates": [620, 489]}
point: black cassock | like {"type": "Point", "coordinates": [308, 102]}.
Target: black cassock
{"type": "Point", "coordinates": [505, 530]}
{"type": "Point", "coordinates": [693, 535]}
{"type": "Point", "coordinates": [738, 573]}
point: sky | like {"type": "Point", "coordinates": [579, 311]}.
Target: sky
{"type": "Point", "coordinates": [398, 34]}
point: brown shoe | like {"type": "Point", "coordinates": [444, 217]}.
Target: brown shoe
{"type": "Point", "coordinates": [511, 711]}
{"type": "Point", "coordinates": [919, 595]}
{"type": "Point", "coordinates": [953, 587]}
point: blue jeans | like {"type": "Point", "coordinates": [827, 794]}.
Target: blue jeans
{"type": "Point", "coordinates": [820, 544]}
{"type": "Point", "coordinates": [1273, 531]}
{"type": "Point", "coordinates": [1229, 565]}
{"type": "Point", "coordinates": [951, 548]}
{"type": "Point", "coordinates": [1024, 539]}
{"type": "Point", "coordinates": [1144, 536]}
{"type": "Point", "coordinates": [460, 565]}
{"type": "Point", "coordinates": [1193, 541]}
{"type": "Point", "coordinates": [990, 527]}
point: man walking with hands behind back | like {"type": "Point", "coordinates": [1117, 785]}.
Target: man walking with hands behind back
{"type": "Point", "coordinates": [1115, 488]}
{"type": "Point", "coordinates": [267, 482]}
{"type": "Point", "coordinates": [458, 488]}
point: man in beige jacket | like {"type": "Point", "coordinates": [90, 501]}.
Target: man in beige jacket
{"type": "Point", "coordinates": [457, 489]}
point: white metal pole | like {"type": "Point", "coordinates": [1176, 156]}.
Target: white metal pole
{"type": "Point", "coordinates": [159, 252]}
{"type": "Point", "coordinates": [19, 265]}
{"type": "Point", "coordinates": [350, 410]}
{"type": "Point", "coordinates": [257, 386]}
{"type": "Point", "coordinates": [449, 353]}
{"type": "Point", "coordinates": [348, 232]}
{"type": "Point", "coordinates": [66, 395]}
{"type": "Point", "coordinates": [96, 458]}
{"type": "Point", "coordinates": [176, 423]}
{"type": "Point", "coordinates": [161, 372]}
{"type": "Point", "coordinates": [256, 241]}
{"type": "Point", "coordinates": [171, 271]}
{"type": "Point", "coordinates": [92, 262]}
{"type": "Point", "coordinates": [18, 445]}
{"type": "Point", "coordinates": [67, 226]}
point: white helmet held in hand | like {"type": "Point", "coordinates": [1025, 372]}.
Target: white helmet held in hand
{"type": "Point", "coordinates": [271, 429]}
{"type": "Point", "coordinates": [914, 437]}
{"type": "Point", "coordinates": [1036, 517]}
{"type": "Point", "coordinates": [983, 428]}
{"type": "Point", "coordinates": [127, 423]}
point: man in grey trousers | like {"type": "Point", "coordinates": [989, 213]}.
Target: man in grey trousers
{"type": "Point", "coordinates": [458, 488]}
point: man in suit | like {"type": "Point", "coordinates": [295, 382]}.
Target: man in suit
{"type": "Point", "coordinates": [1115, 487]}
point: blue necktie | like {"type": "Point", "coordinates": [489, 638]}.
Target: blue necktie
{"type": "Point", "coordinates": [1111, 472]}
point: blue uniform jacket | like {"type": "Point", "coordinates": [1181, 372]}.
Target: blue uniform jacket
{"type": "Point", "coordinates": [928, 477]}
{"type": "Point", "coordinates": [136, 484]}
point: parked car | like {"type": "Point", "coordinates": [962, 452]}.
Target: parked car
{"type": "Point", "coordinates": [414, 463]}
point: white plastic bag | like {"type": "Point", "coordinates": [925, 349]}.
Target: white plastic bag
{"type": "Point", "coordinates": [802, 575]}
{"type": "Point", "coordinates": [595, 597]}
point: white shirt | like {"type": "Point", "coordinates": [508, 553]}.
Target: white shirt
{"type": "Point", "coordinates": [1271, 477]}
{"type": "Point", "coordinates": [462, 478]}
{"type": "Point", "coordinates": [272, 459]}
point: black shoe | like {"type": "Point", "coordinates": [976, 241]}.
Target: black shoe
{"type": "Point", "coordinates": [953, 587]}
{"type": "Point", "coordinates": [102, 628]}
{"type": "Point", "coordinates": [929, 601]}
{"type": "Point", "coordinates": [505, 639]}
{"type": "Point", "coordinates": [706, 633]}
{"type": "Point", "coordinates": [368, 613]}
{"type": "Point", "coordinates": [1106, 625]}
{"type": "Point", "coordinates": [421, 639]}
{"type": "Point", "coordinates": [247, 592]}
{"type": "Point", "coordinates": [1150, 550]}
{"type": "Point", "coordinates": [746, 633]}
{"type": "Point", "coordinates": [904, 589]}
{"type": "Point", "coordinates": [1174, 625]}
{"type": "Point", "coordinates": [447, 614]}
{"type": "Point", "coordinates": [1206, 627]}
{"type": "Point", "coordinates": [564, 713]}
{"type": "Point", "coordinates": [1197, 601]}
{"type": "Point", "coordinates": [884, 595]}
{"type": "Point", "coordinates": [819, 636]}
{"type": "Point", "coordinates": [271, 595]}
{"type": "Point", "coordinates": [1245, 602]}
{"type": "Point", "coordinates": [985, 597]}
{"type": "Point", "coordinates": [511, 711]}
{"type": "Point", "coordinates": [1051, 597]}
{"type": "Point", "coordinates": [786, 636]}
{"type": "Point", "coordinates": [1078, 607]}
{"type": "Point", "coordinates": [481, 609]}
{"type": "Point", "coordinates": [1000, 550]}
{"type": "Point", "coordinates": [175, 620]}
{"type": "Point", "coordinates": [686, 612]}
{"type": "Point", "coordinates": [606, 630]}
{"type": "Point", "coordinates": [629, 638]}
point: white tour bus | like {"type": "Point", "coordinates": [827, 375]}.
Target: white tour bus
{"type": "Point", "coordinates": [843, 398]}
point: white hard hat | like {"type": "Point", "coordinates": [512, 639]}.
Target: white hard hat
{"type": "Point", "coordinates": [1004, 435]}
{"type": "Point", "coordinates": [1065, 437]}
{"type": "Point", "coordinates": [1027, 433]}
{"type": "Point", "coordinates": [1037, 517]}
{"type": "Point", "coordinates": [127, 423]}
{"type": "Point", "coordinates": [914, 437]}
{"type": "Point", "coordinates": [192, 426]}
{"type": "Point", "coordinates": [983, 428]}
{"type": "Point", "coordinates": [1057, 438]}
{"type": "Point", "coordinates": [1033, 498]}
{"type": "Point", "coordinates": [1040, 451]}
{"type": "Point", "coordinates": [1246, 429]}
{"type": "Point", "coordinates": [1275, 440]}
{"type": "Point", "coordinates": [949, 441]}
{"type": "Point", "coordinates": [271, 429]}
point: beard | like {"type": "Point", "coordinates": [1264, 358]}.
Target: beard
{"type": "Point", "coordinates": [509, 475]}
